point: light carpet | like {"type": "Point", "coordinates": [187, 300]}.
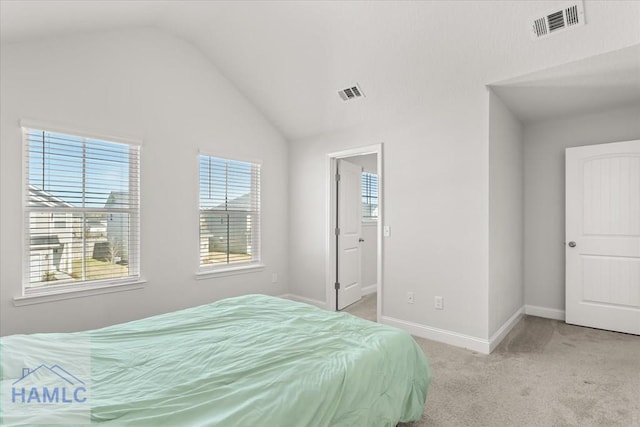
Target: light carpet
{"type": "Point", "coordinates": [544, 373]}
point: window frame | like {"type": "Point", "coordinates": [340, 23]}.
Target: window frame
{"type": "Point", "coordinates": [80, 288]}
{"type": "Point", "coordinates": [226, 269]}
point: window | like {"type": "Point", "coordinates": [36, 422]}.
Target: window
{"type": "Point", "coordinates": [81, 211]}
{"type": "Point", "coordinates": [369, 196]}
{"type": "Point", "coordinates": [229, 212]}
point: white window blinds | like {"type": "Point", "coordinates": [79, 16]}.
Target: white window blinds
{"type": "Point", "coordinates": [81, 211]}
{"type": "Point", "coordinates": [229, 212]}
{"type": "Point", "coordinates": [369, 196]}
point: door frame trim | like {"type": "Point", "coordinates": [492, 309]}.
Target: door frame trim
{"type": "Point", "coordinates": [330, 251]}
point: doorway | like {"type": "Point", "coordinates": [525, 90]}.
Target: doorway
{"type": "Point", "coordinates": [354, 230]}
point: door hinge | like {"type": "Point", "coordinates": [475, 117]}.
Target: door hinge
{"type": "Point", "coordinates": [337, 285]}
{"type": "Point", "coordinates": [337, 231]}
{"type": "Point", "coordinates": [337, 177]}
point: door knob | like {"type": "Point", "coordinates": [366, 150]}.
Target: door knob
{"type": "Point", "coordinates": [572, 244]}
{"type": "Point", "coordinates": [361, 240]}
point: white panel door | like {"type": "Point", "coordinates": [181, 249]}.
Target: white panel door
{"type": "Point", "coordinates": [349, 216]}
{"type": "Point", "coordinates": [603, 236]}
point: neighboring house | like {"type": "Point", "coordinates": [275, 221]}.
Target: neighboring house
{"type": "Point", "coordinates": [118, 225]}
{"type": "Point", "coordinates": [96, 226]}
{"type": "Point", "coordinates": [56, 237]}
{"type": "Point", "coordinates": [51, 242]}
{"type": "Point", "coordinates": [227, 227]}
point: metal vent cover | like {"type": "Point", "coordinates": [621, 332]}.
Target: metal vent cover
{"type": "Point", "coordinates": [558, 20]}
{"type": "Point", "coordinates": [351, 92]}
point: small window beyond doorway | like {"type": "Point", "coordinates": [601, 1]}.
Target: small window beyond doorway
{"type": "Point", "coordinates": [369, 196]}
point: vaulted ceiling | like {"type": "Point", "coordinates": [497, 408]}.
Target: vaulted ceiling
{"type": "Point", "coordinates": [290, 58]}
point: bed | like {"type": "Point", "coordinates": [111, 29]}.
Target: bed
{"type": "Point", "coordinates": [252, 360]}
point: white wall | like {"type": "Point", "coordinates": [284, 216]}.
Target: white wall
{"type": "Point", "coordinates": [435, 170]}
{"type": "Point", "coordinates": [544, 148]}
{"type": "Point", "coordinates": [506, 214]}
{"type": "Point", "coordinates": [148, 85]}
{"type": "Point", "coordinates": [369, 162]}
{"type": "Point", "coordinates": [370, 254]}
{"type": "Point", "coordinates": [436, 192]}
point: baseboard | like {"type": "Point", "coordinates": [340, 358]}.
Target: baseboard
{"type": "Point", "coordinates": [452, 338]}
{"type": "Point", "coordinates": [549, 313]}
{"type": "Point", "coordinates": [305, 300]}
{"type": "Point", "coordinates": [497, 338]}
{"type": "Point", "coordinates": [366, 290]}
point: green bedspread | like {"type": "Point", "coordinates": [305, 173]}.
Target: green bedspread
{"type": "Point", "coordinates": [247, 361]}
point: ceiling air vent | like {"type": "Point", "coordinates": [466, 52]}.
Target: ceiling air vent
{"type": "Point", "coordinates": [352, 92]}
{"type": "Point", "coordinates": [570, 16]}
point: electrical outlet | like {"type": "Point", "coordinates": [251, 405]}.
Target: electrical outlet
{"type": "Point", "coordinates": [439, 303]}
{"type": "Point", "coordinates": [410, 299]}
{"type": "Point", "coordinates": [274, 278]}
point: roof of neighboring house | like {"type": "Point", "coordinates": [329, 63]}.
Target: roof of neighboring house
{"type": "Point", "coordinates": [238, 206]}
{"type": "Point", "coordinates": [47, 241]}
{"type": "Point", "coordinates": [242, 203]}
{"type": "Point", "coordinates": [44, 199]}
{"type": "Point", "coordinates": [118, 199]}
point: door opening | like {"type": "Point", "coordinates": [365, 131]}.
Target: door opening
{"type": "Point", "coordinates": [354, 235]}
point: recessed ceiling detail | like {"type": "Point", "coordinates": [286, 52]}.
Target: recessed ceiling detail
{"type": "Point", "coordinates": [558, 20]}
{"type": "Point", "coordinates": [350, 93]}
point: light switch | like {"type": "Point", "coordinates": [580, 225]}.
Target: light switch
{"type": "Point", "coordinates": [386, 230]}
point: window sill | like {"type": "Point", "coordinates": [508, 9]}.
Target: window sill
{"type": "Point", "coordinates": [229, 271]}
{"type": "Point", "coordinates": [63, 294]}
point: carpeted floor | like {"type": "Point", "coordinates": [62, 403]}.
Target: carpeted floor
{"type": "Point", "coordinates": [544, 373]}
